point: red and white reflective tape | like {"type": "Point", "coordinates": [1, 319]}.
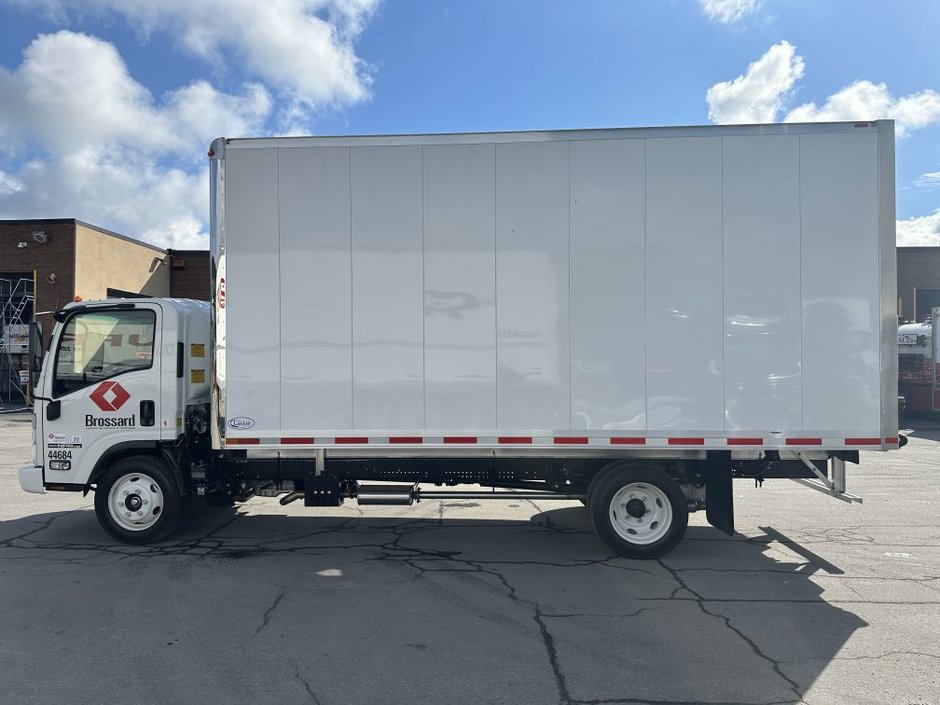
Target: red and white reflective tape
{"type": "Point", "coordinates": [573, 441]}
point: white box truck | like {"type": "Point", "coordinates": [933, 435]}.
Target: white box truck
{"type": "Point", "coordinates": [626, 317]}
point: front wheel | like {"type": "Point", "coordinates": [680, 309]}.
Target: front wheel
{"type": "Point", "coordinates": [638, 510]}
{"type": "Point", "coordinates": [137, 501]}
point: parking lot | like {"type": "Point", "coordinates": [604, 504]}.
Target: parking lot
{"type": "Point", "coordinates": [813, 601]}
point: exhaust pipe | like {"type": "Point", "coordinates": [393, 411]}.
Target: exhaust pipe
{"type": "Point", "coordinates": [290, 497]}
{"type": "Point", "coordinates": [387, 494]}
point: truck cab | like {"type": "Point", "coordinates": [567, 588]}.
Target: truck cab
{"type": "Point", "coordinates": [120, 383]}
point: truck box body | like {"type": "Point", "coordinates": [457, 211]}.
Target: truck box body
{"type": "Point", "coordinates": [723, 287]}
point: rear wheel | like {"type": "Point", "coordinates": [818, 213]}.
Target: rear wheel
{"type": "Point", "coordinates": [638, 510]}
{"type": "Point", "coordinates": [137, 501]}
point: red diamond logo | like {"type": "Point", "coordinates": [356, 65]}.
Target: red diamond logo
{"type": "Point", "coordinates": [109, 396]}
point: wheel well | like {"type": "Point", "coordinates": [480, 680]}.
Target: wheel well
{"type": "Point", "coordinates": [127, 450]}
{"type": "Point", "coordinates": [665, 468]}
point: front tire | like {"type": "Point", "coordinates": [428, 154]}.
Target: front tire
{"type": "Point", "coordinates": [137, 500]}
{"type": "Point", "coordinates": [638, 510]}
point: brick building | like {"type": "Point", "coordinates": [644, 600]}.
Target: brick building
{"type": "Point", "coordinates": [918, 281]}
{"type": "Point", "coordinates": [189, 274]}
{"type": "Point", "coordinates": [46, 263]}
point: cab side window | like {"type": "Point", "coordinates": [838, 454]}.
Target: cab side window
{"type": "Point", "coordinates": [98, 345]}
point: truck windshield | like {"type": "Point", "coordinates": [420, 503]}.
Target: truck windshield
{"type": "Point", "coordinates": [100, 344]}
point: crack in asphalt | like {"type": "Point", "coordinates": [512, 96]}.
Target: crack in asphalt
{"type": "Point", "coordinates": [853, 590]}
{"type": "Point", "coordinates": [602, 615]}
{"type": "Point", "coordinates": [267, 613]}
{"type": "Point", "coordinates": [43, 525]}
{"type": "Point", "coordinates": [548, 640]}
{"type": "Point", "coordinates": [304, 682]}
{"type": "Point", "coordinates": [700, 601]}
{"type": "Point", "coordinates": [870, 658]}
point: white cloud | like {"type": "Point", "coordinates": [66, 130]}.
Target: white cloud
{"type": "Point", "coordinates": [74, 91]}
{"type": "Point", "coordinates": [202, 113]}
{"type": "Point", "coordinates": [924, 230]}
{"type": "Point", "coordinates": [8, 184]}
{"type": "Point", "coordinates": [928, 180]}
{"type": "Point", "coordinates": [758, 94]}
{"type": "Point", "coordinates": [863, 100]}
{"type": "Point", "coordinates": [99, 141]}
{"type": "Point", "coordinates": [302, 48]}
{"type": "Point", "coordinates": [727, 11]}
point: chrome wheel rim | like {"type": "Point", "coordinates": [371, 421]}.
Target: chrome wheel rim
{"type": "Point", "coordinates": [135, 501]}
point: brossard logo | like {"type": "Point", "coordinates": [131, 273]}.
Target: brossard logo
{"type": "Point", "coordinates": [109, 396]}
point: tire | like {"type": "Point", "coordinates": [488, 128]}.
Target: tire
{"type": "Point", "coordinates": [638, 510]}
{"type": "Point", "coordinates": [153, 514]}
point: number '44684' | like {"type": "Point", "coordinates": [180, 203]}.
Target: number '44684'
{"type": "Point", "coordinates": [60, 455]}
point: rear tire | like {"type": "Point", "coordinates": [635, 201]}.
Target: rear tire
{"type": "Point", "coordinates": [638, 510]}
{"type": "Point", "coordinates": [137, 500]}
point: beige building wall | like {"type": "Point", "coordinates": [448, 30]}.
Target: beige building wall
{"type": "Point", "coordinates": [104, 261]}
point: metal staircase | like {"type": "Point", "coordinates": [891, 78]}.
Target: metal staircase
{"type": "Point", "coordinates": [16, 306]}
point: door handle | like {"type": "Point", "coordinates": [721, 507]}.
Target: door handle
{"type": "Point", "coordinates": [147, 412]}
{"type": "Point", "coordinates": [53, 410]}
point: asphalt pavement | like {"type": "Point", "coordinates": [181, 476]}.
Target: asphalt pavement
{"type": "Point", "coordinates": [813, 600]}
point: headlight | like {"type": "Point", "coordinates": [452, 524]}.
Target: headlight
{"type": "Point", "coordinates": [60, 465]}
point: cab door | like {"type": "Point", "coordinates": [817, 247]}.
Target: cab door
{"type": "Point", "coordinates": [104, 387]}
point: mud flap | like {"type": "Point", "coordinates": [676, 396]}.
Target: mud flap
{"type": "Point", "coordinates": [719, 502]}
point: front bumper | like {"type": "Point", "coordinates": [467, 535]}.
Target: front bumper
{"type": "Point", "coordinates": [31, 478]}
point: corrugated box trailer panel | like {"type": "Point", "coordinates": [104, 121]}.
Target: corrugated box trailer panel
{"type": "Point", "coordinates": [651, 283]}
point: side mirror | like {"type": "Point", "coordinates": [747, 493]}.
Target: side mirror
{"type": "Point", "coordinates": [35, 353]}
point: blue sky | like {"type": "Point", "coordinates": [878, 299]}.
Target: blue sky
{"type": "Point", "coordinates": [107, 106]}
